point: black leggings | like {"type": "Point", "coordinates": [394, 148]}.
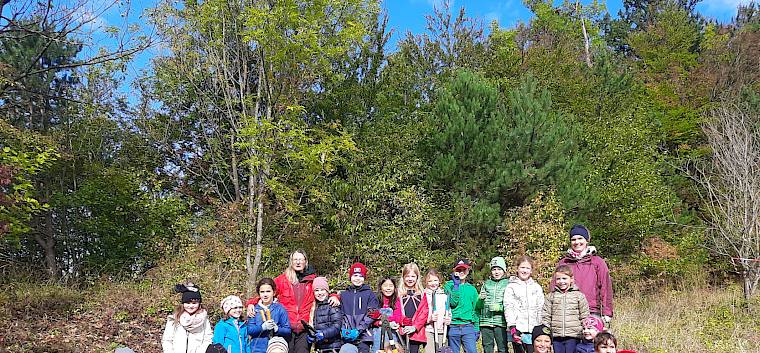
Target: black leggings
{"type": "Point", "coordinates": [298, 343]}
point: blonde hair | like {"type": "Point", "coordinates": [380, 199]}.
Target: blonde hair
{"type": "Point", "coordinates": [409, 268]}
{"type": "Point", "coordinates": [289, 272]}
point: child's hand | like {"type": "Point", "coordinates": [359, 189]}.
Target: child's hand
{"type": "Point", "coordinates": [456, 280]}
{"type": "Point", "coordinates": [606, 319]}
{"type": "Point", "coordinates": [251, 310]}
{"type": "Point", "coordinates": [516, 334]}
{"type": "Point", "coordinates": [447, 319]}
{"type": "Point", "coordinates": [483, 295]}
{"type": "Point", "coordinates": [353, 334]}
{"type": "Point", "coordinates": [319, 336]}
{"type": "Point", "coordinates": [394, 325]}
{"type": "Point", "coordinates": [268, 325]}
{"type": "Point", "coordinates": [408, 329]}
{"type": "Point", "coordinates": [333, 301]}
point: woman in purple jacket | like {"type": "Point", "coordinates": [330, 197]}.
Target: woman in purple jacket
{"type": "Point", "coordinates": [592, 276]}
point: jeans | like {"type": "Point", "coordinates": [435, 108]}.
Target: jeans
{"type": "Point", "coordinates": [564, 344]}
{"type": "Point", "coordinates": [491, 334]}
{"type": "Point", "coordinates": [463, 335]}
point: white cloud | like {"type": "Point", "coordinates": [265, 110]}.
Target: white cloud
{"type": "Point", "coordinates": [721, 9]}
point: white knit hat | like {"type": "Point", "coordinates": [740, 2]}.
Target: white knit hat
{"type": "Point", "coordinates": [230, 302]}
{"type": "Point", "coordinates": [277, 345]}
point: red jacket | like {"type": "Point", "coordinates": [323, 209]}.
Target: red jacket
{"type": "Point", "coordinates": [287, 295]}
{"type": "Point", "coordinates": [592, 276]}
{"type": "Point", "coordinates": [419, 320]}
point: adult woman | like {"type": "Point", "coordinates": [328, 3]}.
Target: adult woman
{"type": "Point", "coordinates": [592, 276]}
{"type": "Point", "coordinates": [296, 294]}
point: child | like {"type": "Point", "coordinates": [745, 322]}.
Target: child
{"type": "Point", "coordinates": [327, 319]}
{"type": "Point", "coordinates": [564, 310]}
{"type": "Point", "coordinates": [188, 329]}
{"type": "Point", "coordinates": [231, 332]}
{"type": "Point", "coordinates": [490, 305]}
{"type": "Point", "coordinates": [439, 314]}
{"type": "Point", "coordinates": [592, 326]}
{"type": "Point", "coordinates": [390, 306]}
{"type": "Point", "coordinates": [270, 319]}
{"type": "Point", "coordinates": [523, 305]}
{"type": "Point", "coordinates": [356, 301]}
{"type": "Point", "coordinates": [463, 297]}
{"type": "Point", "coordinates": [605, 342]}
{"type": "Point", "coordinates": [414, 307]}
{"type": "Point", "coordinates": [541, 339]}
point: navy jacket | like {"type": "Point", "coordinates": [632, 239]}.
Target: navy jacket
{"type": "Point", "coordinates": [355, 302]}
{"type": "Point", "coordinates": [328, 320]}
{"type": "Point", "coordinates": [584, 347]}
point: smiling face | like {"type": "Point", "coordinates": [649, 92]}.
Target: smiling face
{"type": "Point", "coordinates": [357, 279]}
{"type": "Point", "coordinates": [266, 294]}
{"type": "Point", "coordinates": [578, 243]}
{"type": "Point", "coordinates": [497, 272]}
{"type": "Point", "coordinates": [388, 288]}
{"type": "Point", "coordinates": [524, 271]}
{"type": "Point", "coordinates": [590, 332]}
{"type": "Point", "coordinates": [542, 344]}
{"type": "Point", "coordinates": [433, 282]}
{"type": "Point", "coordinates": [236, 312]}
{"type": "Point", "coordinates": [298, 261]}
{"type": "Point", "coordinates": [320, 294]}
{"type": "Point", "coordinates": [563, 281]}
{"type": "Point", "coordinates": [191, 307]}
{"type": "Point", "coordinates": [410, 280]}
{"type": "Point", "coordinates": [606, 347]}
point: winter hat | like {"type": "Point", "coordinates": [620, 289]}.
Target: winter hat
{"type": "Point", "coordinates": [462, 264]}
{"type": "Point", "coordinates": [595, 322]}
{"type": "Point", "coordinates": [348, 348]}
{"type": "Point", "coordinates": [357, 268]}
{"type": "Point", "coordinates": [231, 302]}
{"type": "Point", "coordinates": [499, 262]}
{"type": "Point", "coordinates": [541, 330]}
{"type": "Point", "coordinates": [277, 344]}
{"type": "Point", "coordinates": [190, 292]}
{"type": "Point", "coordinates": [320, 283]}
{"type": "Point", "coordinates": [580, 229]}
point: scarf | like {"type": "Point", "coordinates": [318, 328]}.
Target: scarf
{"type": "Point", "coordinates": [590, 250]}
{"type": "Point", "coordinates": [192, 322]}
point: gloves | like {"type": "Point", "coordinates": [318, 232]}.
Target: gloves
{"type": "Point", "coordinates": [268, 325]}
{"type": "Point", "coordinates": [407, 321]}
{"type": "Point", "coordinates": [320, 336]}
{"type": "Point", "coordinates": [374, 314]}
{"type": "Point", "coordinates": [516, 334]}
{"type": "Point", "coordinates": [483, 295]}
{"type": "Point", "coordinates": [409, 329]}
{"type": "Point", "coordinates": [311, 339]}
{"type": "Point", "coordinates": [606, 319]}
{"type": "Point", "coordinates": [394, 325]}
{"type": "Point", "coordinates": [386, 311]}
{"type": "Point", "coordinates": [353, 334]}
{"type": "Point", "coordinates": [456, 281]}
{"type": "Point", "coordinates": [344, 333]}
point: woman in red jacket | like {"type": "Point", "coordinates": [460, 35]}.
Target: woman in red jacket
{"type": "Point", "coordinates": [295, 293]}
{"type": "Point", "coordinates": [592, 276]}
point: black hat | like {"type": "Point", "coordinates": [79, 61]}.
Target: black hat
{"type": "Point", "coordinates": [190, 292]}
{"type": "Point", "coordinates": [540, 330]}
{"type": "Point", "coordinates": [216, 348]}
{"type": "Point", "coordinates": [580, 229]}
{"type": "Point", "coordinates": [462, 263]}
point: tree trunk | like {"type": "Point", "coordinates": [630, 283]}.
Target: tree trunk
{"type": "Point", "coordinates": [259, 223]}
{"type": "Point", "coordinates": [252, 270]}
{"type": "Point", "coordinates": [45, 238]}
{"type": "Point", "coordinates": [586, 45]}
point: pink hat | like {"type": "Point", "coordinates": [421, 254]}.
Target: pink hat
{"type": "Point", "coordinates": [593, 322]}
{"type": "Point", "coordinates": [320, 283]}
{"type": "Point", "coordinates": [231, 302]}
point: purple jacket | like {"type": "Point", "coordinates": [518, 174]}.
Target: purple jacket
{"type": "Point", "coordinates": [592, 276]}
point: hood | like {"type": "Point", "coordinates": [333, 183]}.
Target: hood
{"type": "Point", "coordinates": [307, 275]}
{"type": "Point", "coordinates": [584, 256]}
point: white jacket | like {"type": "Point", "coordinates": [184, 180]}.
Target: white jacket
{"type": "Point", "coordinates": [523, 304]}
{"type": "Point", "coordinates": [177, 339]}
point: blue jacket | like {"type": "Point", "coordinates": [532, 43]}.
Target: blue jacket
{"type": "Point", "coordinates": [259, 336]}
{"type": "Point", "coordinates": [328, 320]}
{"type": "Point", "coordinates": [355, 302]}
{"type": "Point", "coordinates": [584, 347]}
{"type": "Point", "coordinates": [232, 335]}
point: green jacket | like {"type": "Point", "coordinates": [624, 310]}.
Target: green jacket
{"type": "Point", "coordinates": [462, 303]}
{"type": "Point", "coordinates": [491, 309]}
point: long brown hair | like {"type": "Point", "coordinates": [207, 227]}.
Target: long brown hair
{"type": "Point", "coordinates": [181, 309]}
{"type": "Point", "coordinates": [290, 273]}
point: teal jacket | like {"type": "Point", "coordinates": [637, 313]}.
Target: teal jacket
{"type": "Point", "coordinates": [491, 309]}
{"type": "Point", "coordinates": [232, 334]}
{"type": "Point", "coordinates": [462, 303]}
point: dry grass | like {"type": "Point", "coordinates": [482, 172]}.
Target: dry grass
{"type": "Point", "coordinates": [700, 320]}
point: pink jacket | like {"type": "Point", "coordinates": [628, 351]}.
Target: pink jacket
{"type": "Point", "coordinates": [592, 276]}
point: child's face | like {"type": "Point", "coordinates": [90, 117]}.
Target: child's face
{"type": "Point", "coordinates": [497, 272]}
{"type": "Point", "coordinates": [236, 311]}
{"type": "Point", "coordinates": [578, 243]}
{"type": "Point", "coordinates": [357, 279]}
{"type": "Point", "coordinates": [433, 282]}
{"type": "Point", "coordinates": [191, 307]}
{"type": "Point", "coordinates": [320, 294]}
{"type": "Point", "coordinates": [387, 288]}
{"type": "Point", "coordinates": [266, 294]}
{"type": "Point", "coordinates": [410, 280]}
{"type": "Point", "coordinates": [589, 333]}
{"type": "Point", "coordinates": [563, 281]}
{"type": "Point", "coordinates": [462, 273]}
{"type": "Point", "coordinates": [542, 344]}
{"type": "Point", "coordinates": [607, 347]}
{"type": "Point", "coordinates": [524, 271]}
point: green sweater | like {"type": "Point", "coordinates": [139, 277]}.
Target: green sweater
{"type": "Point", "coordinates": [462, 302]}
{"type": "Point", "coordinates": [491, 309]}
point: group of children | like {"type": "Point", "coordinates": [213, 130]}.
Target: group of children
{"type": "Point", "coordinates": [404, 315]}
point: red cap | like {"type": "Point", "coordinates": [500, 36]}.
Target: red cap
{"type": "Point", "coordinates": [357, 268]}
